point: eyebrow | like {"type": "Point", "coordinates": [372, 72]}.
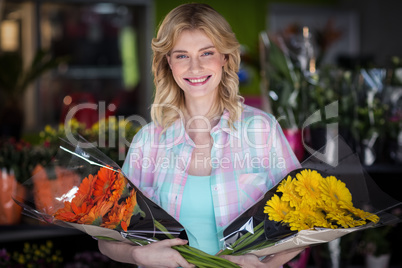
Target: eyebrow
{"type": "Point", "coordinates": [185, 51]}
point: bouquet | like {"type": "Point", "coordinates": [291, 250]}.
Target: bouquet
{"type": "Point", "coordinates": [309, 206]}
{"type": "Point", "coordinates": [329, 197]}
{"type": "Point", "coordinates": [91, 193]}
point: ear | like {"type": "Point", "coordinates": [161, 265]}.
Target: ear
{"type": "Point", "coordinates": [225, 59]}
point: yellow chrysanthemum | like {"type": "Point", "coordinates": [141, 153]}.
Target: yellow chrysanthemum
{"type": "Point", "coordinates": [276, 208]}
{"type": "Point", "coordinates": [334, 191]}
{"type": "Point", "coordinates": [308, 185]}
{"type": "Point", "coordinates": [289, 194]}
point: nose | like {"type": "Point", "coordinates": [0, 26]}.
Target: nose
{"type": "Point", "coordinates": [195, 65]}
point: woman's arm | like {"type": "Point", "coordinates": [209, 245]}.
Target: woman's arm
{"type": "Point", "coordinates": [157, 254]}
{"type": "Point", "coordinates": [272, 261]}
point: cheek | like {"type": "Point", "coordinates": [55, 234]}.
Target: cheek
{"type": "Point", "coordinates": [218, 64]}
{"type": "Point", "coordinates": [176, 72]}
{"type": "Point", "coordinates": [218, 67]}
{"type": "Point", "coordinates": [177, 68]}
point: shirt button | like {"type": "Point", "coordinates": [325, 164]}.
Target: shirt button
{"type": "Point", "coordinates": [216, 188]}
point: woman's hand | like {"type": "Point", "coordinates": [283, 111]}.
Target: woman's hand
{"type": "Point", "coordinates": [245, 261]}
{"type": "Point", "coordinates": [157, 254]}
{"type": "Point", "coordinates": [161, 254]}
{"type": "Point", "coordinates": [272, 261]}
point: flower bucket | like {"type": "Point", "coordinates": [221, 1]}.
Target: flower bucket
{"type": "Point", "coordinates": [10, 211]}
{"type": "Point", "coordinates": [294, 137]}
{"type": "Point", "coordinates": [48, 187]}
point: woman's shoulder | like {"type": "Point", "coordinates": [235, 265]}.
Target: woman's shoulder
{"type": "Point", "coordinates": [150, 127]}
{"type": "Point", "coordinates": [145, 132]}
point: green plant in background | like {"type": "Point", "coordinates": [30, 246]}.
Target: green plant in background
{"type": "Point", "coordinates": [20, 157]}
{"type": "Point", "coordinates": [112, 135]}
{"type": "Point", "coordinates": [94, 259]}
{"type": "Point", "coordinates": [370, 120]}
{"type": "Point", "coordinates": [50, 136]}
{"type": "Point", "coordinates": [395, 77]}
{"type": "Point", "coordinates": [32, 256]}
{"type": "Point", "coordinates": [116, 134]}
{"type": "Point", "coordinates": [285, 87]}
{"type": "Point", "coordinates": [14, 81]}
{"type": "Point", "coordinates": [332, 84]}
{"type": "Point", "coordinates": [393, 98]}
{"type": "Point", "coordinates": [363, 109]}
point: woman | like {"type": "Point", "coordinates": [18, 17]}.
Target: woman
{"type": "Point", "coordinates": [206, 157]}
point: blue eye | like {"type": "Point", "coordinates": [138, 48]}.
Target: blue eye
{"type": "Point", "coordinates": [208, 53]}
{"type": "Point", "coordinates": [181, 56]}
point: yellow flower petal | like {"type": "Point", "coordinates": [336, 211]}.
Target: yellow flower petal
{"type": "Point", "coordinates": [276, 208]}
{"type": "Point", "coordinates": [334, 191]}
{"type": "Point", "coordinates": [289, 194]}
{"type": "Point", "coordinates": [307, 185]}
{"type": "Point", "coordinates": [361, 214]}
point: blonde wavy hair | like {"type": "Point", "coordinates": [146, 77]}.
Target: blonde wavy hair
{"type": "Point", "coordinates": [169, 98]}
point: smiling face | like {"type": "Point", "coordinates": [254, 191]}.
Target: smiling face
{"type": "Point", "coordinates": [196, 65]}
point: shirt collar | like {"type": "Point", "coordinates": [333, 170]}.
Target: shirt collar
{"type": "Point", "coordinates": [175, 134]}
{"type": "Point", "coordinates": [224, 126]}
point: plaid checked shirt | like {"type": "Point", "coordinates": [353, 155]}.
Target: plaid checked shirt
{"type": "Point", "coordinates": [246, 162]}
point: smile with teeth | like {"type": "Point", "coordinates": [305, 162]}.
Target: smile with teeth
{"type": "Point", "coordinates": [198, 80]}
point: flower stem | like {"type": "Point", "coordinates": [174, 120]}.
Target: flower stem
{"type": "Point", "coordinates": [196, 256]}
{"type": "Point", "coordinates": [221, 262]}
{"type": "Point", "coordinates": [256, 247]}
{"type": "Point", "coordinates": [244, 240]}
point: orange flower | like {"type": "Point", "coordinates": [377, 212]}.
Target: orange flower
{"type": "Point", "coordinates": [103, 184]}
{"type": "Point", "coordinates": [71, 212]}
{"type": "Point", "coordinates": [115, 216]}
{"type": "Point", "coordinates": [66, 213]}
{"type": "Point", "coordinates": [119, 187]}
{"type": "Point", "coordinates": [96, 214]}
{"type": "Point", "coordinates": [131, 203]}
{"type": "Point", "coordinates": [97, 201]}
{"type": "Point", "coordinates": [80, 204]}
{"type": "Point", "coordinates": [85, 190]}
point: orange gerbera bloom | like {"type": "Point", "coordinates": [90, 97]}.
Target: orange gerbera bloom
{"type": "Point", "coordinates": [80, 204]}
{"type": "Point", "coordinates": [71, 212]}
{"type": "Point", "coordinates": [66, 213]}
{"type": "Point", "coordinates": [115, 216]}
{"type": "Point", "coordinates": [119, 187]}
{"type": "Point", "coordinates": [103, 184]}
{"type": "Point", "coordinates": [85, 190]}
{"type": "Point", "coordinates": [95, 215]}
{"type": "Point", "coordinates": [131, 203]}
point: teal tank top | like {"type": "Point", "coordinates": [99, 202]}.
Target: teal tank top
{"type": "Point", "coordinates": [197, 214]}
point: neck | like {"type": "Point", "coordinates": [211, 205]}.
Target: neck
{"type": "Point", "coordinates": [198, 114]}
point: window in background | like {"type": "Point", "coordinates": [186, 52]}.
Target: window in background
{"type": "Point", "coordinates": [106, 44]}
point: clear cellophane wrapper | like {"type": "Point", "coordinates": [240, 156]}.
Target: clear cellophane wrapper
{"type": "Point", "coordinates": [336, 159]}
{"type": "Point", "coordinates": [82, 188]}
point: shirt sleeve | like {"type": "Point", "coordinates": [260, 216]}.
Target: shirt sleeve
{"type": "Point", "coordinates": [132, 166]}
